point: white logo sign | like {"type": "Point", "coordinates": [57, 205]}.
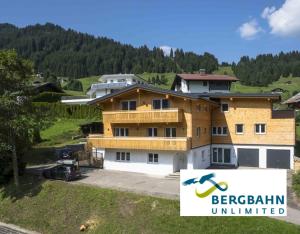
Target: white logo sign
{"type": "Point", "coordinates": [252, 192]}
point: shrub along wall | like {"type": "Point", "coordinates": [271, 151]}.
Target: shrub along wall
{"type": "Point", "coordinates": [70, 111]}
{"type": "Point", "coordinates": [48, 97]}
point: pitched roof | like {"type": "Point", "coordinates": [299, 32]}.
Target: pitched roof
{"type": "Point", "coordinates": [294, 99]}
{"type": "Point", "coordinates": [200, 76]}
{"type": "Point", "coordinates": [193, 96]}
{"type": "Point", "coordinates": [151, 89]}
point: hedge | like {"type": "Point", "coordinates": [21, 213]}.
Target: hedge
{"type": "Point", "coordinates": [70, 111]}
{"type": "Point", "coordinates": [48, 97]}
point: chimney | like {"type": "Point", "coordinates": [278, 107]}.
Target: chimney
{"type": "Point", "coordinates": [202, 71]}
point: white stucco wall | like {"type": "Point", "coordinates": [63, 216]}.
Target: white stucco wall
{"type": "Point", "coordinates": [184, 87]}
{"type": "Point", "coordinates": [195, 160]}
{"type": "Point", "coordinates": [262, 152]}
{"type": "Point", "coordinates": [139, 162]}
{"type": "Point", "coordinates": [101, 92]}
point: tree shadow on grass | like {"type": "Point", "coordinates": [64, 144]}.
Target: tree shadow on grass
{"type": "Point", "coordinates": [30, 186]}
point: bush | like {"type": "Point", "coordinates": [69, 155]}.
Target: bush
{"type": "Point", "coordinates": [74, 85]}
{"type": "Point", "coordinates": [70, 111]}
{"type": "Point", "coordinates": [296, 183]}
{"type": "Point", "coordinates": [48, 97]}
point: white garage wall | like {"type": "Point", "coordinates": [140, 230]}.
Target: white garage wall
{"type": "Point", "coordinates": [262, 152]}
{"type": "Point", "coordinates": [139, 162]}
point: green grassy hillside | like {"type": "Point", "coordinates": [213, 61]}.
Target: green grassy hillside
{"type": "Point", "coordinates": [289, 84]}
{"type": "Point", "coordinates": [59, 207]}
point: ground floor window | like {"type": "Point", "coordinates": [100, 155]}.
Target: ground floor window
{"type": "Point", "coordinates": [152, 158]}
{"type": "Point", "coordinates": [221, 155]}
{"type": "Point", "coordinates": [123, 156]}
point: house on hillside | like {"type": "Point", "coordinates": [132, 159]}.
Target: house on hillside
{"type": "Point", "coordinates": [293, 101]}
{"type": "Point", "coordinates": [202, 83]}
{"type": "Point", "coordinates": [107, 84]}
{"type": "Point", "coordinates": [156, 131]}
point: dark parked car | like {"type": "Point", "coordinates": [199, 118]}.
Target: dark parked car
{"type": "Point", "coordinates": [62, 172]}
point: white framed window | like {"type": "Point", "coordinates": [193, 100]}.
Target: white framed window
{"type": "Point", "coordinates": [152, 158]}
{"type": "Point", "coordinates": [198, 131]}
{"type": "Point", "coordinates": [122, 156]}
{"type": "Point", "coordinates": [219, 131]}
{"type": "Point", "coordinates": [239, 128]}
{"type": "Point", "coordinates": [121, 132]}
{"type": "Point", "coordinates": [221, 155]}
{"type": "Point", "coordinates": [224, 107]}
{"type": "Point", "coordinates": [260, 128]}
{"type": "Point", "coordinates": [128, 105]}
{"type": "Point", "coordinates": [152, 132]}
{"type": "Point", "coordinates": [160, 104]}
{"type": "Point", "coordinates": [170, 132]}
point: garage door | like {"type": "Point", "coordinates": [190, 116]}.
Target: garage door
{"type": "Point", "coordinates": [248, 157]}
{"type": "Point", "coordinates": [278, 158]}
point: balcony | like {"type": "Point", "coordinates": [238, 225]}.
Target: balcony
{"type": "Point", "coordinates": [141, 143]}
{"type": "Point", "coordinates": [152, 116]}
{"type": "Point", "coordinates": [283, 114]}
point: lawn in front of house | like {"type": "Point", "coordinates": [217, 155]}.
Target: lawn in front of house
{"type": "Point", "coordinates": [59, 207]}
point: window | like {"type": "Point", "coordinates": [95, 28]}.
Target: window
{"type": "Point", "coordinates": [122, 156]}
{"type": "Point", "coordinates": [239, 128]}
{"type": "Point", "coordinates": [224, 107]}
{"type": "Point", "coordinates": [221, 155]}
{"type": "Point", "coordinates": [152, 158]}
{"type": "Point", "coordinates": [219, 131]}
{"type": "Point", "coordinates": [204, 83]}
{"type": "Point", "coordinates": [128, 105]}
{"type": "Point", "coordinates": [260, 128]}
{"type": "Point", "coordinates": [198, 107]}
{"type": "Point", "coordinates": [152, 132]}
{"type": "Point", "coordinates": [160, 104]}
{"type": "Point", "coordinates": [198, 131]}
{"type": "Point", "coordinates": [170, 132]}
{"type": "Point", "coordinates": [121, 132]}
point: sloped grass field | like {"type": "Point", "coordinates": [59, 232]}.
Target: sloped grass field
{"type": "Point", "coordinates": [59, 207]}
{"type": "Point", "coordinates": [57, 135]}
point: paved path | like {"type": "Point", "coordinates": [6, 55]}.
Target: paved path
{"type": "Point", "coordinates": [13, 229]}
{"type": "Point", "coordinates": [157, 186]}
{"type": "Point", "coordinates": [132, 182]}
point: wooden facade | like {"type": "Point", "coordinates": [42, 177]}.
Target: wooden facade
{"type": "Point", "coordinates": [193, 120]}
{"type": "Point", "coordinates": [280, 130]}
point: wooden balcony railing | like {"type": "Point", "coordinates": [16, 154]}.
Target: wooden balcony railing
{"type": "Point", "coordinates": [141, 143]}
{"type": "Point", "coordinates": [151, 116]}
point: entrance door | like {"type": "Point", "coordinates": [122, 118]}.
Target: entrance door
{"type": "Point", "coordinates": [180, 162]}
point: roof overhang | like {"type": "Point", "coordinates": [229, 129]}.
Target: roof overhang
{"type": "Point", "coordinates": [138, 87]}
